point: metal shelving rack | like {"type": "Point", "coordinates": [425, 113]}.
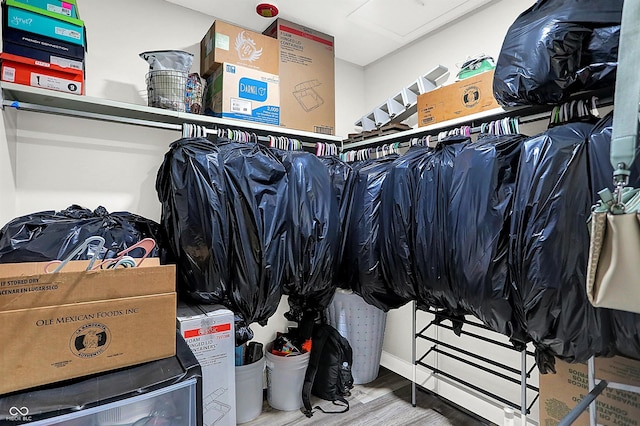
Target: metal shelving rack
{"type": "Point", "coordinates": [496, 369]}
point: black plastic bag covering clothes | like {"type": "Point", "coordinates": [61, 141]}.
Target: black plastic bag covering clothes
{"type": "Point", "coordinates": [342, 182]}
{"type": "Point", "coordinates": [190, 186]}
{"type": "Point", "coordinates": [550, 49]}
{"type": "Point", "coordinates": [362, 251]}
{"type": "Point", "coordinates": [312, 236]}
{"type": "Point", "coordinates": [50, 235]}
{"type": "Point", "coordinates": [549, 248]}
{"type": "Point", "coordinates": [256, 184]}
{"type": "Point", "coordinates": [625, 326]}
{"type": "Point", "coordinates": [224, 208]}
{"type": "Point", "coordinates": [433, 277]}
{"type": "Point", "coordinates": [477, 236]}
{"type": "Point", "coordinates": [397, 222]}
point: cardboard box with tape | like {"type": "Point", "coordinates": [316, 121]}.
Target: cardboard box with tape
{"type": "Point", "coordinates": [307, 77]}
{"type": "Point", "coordinates": [64, 325]}
{"type": "Point", "coordinates": [465, 97]}
{"type": "Point", "coordinates": [243, 93]}
{"type": "Point", "coordinates": [561, 392]}
{"type": "Point", "coordinates": [225, 42]}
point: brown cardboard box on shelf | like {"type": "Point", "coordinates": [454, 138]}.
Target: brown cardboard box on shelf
{"type": "Point", "coordinates": [561, 392]}
{"type": "Point", "coordinates": [307, 77]}
{"type": "Point", "coordinates": [241, 93]}
{"type": "Point", "coordinates": [225, 42]}
{"type": "Point", "coordinates": [464, 97]}
{"type": "Point", "coordinates": [58, 326]}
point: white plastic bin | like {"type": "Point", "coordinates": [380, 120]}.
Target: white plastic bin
{"type": "Point", "coordinates": [285, 377]}
{"type": "Point", "coordinates": [249, 391]}
{"type": "Point", "coordinates": [363, 326]}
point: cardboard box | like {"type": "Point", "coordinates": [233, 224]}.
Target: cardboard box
{"type": "Point", "coordinates": [561, 392]}
{"type": "Point", "coordinates": [73, 323]}
{"type": "Point", "coordinates": [243, 93]}
{"type": "Point", "coordinates": [235, 45]}
{"type": "Point", "coordinates": [21, 70]}
{"type": "Point", "coordinates": [209, 332]}
{"type": "Point", "coordinates": [307, 77]}
{"type": "Point", "coordinates": [58, 8]}
{"type": "Point", "coordinates": [39, 42]}
{"type": "Point", "coordinates": [41, 56]}
{"type": "Point", "coordinates": [27, 18]}
{"type": "Point", "coordinates": [465, 97]}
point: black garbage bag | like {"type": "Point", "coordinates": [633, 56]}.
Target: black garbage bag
{"type": "Point", "coordinates": [548, 46]}
{"type": "Point", "coordinates": [224, 206]}
{"type": "Point", "coordinates": [256, 184]}
{"type": "Point", "coordinates": [312, 236]}
{"type": "Point", "coordinates": [549, 248]}
{"type": "Point", "coordinates": [362, 251]}
{"type": "Point", "coordinates": [432, 245]}
{"type": "Point", "coordinates": [50, 235]}
{"type": "Point", "coordinates": [342, 182]}
{"type": "Point", "coordinates": [479, 214]}
{"type": "Point", "coordinates": [398, 223]}
{"type": "Point", "coordinates": [601, 59]}
{"type": "Point", "coordinates": [625, 325]}
{"type": "Point", "coordinates": [190, 185]}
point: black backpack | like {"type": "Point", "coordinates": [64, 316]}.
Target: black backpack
{"type": "Point", "coordinates": [329, 373]}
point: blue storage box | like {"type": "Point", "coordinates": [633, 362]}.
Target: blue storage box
{"type": "Point", "coordinates": [26, 20]}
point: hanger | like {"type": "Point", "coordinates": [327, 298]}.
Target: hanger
{"type": "Point", "coordinates": [122, 259]}
{"type": "Point", "coordinates": [76, 251]}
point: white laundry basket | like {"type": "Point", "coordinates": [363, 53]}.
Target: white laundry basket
{"type": "Point", "coordinates": [363, 326]}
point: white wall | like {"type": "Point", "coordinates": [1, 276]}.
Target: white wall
{"type": "Point", "coordinates": [350, 97]}
{"type": "Point", "coordinates": [7, 166]}
{"type": "Point", "coordinates": [119, 30]}
{"type": "Point", "coordinates": [481, 32]}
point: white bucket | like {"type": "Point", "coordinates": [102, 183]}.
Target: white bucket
{"type": "Point", "coordinates": [363, 326]}
{"type": "Point", "coordinates": [285, 377]}
{"type": "Point", "coordinates": [249, 391]}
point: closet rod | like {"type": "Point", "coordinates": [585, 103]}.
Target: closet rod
{"type": "Point", "coordinates": [536, 113]}
{"type": "Point", "coordinates": [91, 115]}
{"type": "Point", "coordinates": [124, 120]}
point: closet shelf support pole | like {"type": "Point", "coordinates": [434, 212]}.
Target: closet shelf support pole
{"type": "Point", "coordinates": [413, 354]}
{"type": "Point", "coordinates": [523, 387]}
{"type": "Point", "coordinates": [593, 411]}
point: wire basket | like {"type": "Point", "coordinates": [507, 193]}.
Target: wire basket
{"type": "Point", "coordinates": [174, 90]}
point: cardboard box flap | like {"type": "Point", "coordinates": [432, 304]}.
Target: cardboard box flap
{"type": "Point", "coordinates": [27, 286]}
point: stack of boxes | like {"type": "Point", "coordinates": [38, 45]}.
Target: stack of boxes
{"type": "Point", "coordinates": [43, 44]}
{"type": "Point", "coordinates": [282, 77]}
{"type": "Point", "coordinates": [241, 68]}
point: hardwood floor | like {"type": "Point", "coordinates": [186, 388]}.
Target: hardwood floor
{"type": "Point", "coordinates": [385, 401]}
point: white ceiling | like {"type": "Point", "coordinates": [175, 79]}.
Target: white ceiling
{"type": "Point", "coordinates": [364, 30]}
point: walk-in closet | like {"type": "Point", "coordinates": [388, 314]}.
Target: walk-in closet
{"type": "Point", "coordinates": [356, 212]}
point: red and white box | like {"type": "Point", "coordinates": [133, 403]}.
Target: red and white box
{"type": "Point", "coordinates": [209, 332]}
{"type": "Point", "coordinates": [30, 72]}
